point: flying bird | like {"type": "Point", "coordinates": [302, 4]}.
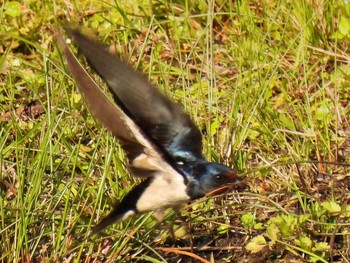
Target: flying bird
{"type": "Point", "coordinates": [162, 144]}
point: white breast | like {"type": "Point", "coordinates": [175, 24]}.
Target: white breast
{"type": "Point", "coordinates": [163, 191]}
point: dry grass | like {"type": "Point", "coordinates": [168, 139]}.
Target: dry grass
{"type": "Point", "coordinates": [268, 84]}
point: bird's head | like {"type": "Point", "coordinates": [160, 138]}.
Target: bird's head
{"type": "Point", "coordinates": [211, 178]}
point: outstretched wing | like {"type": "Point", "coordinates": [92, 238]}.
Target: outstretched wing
{"type": "Point", "coordinates": [143, 156]}
{"type": "Point", "coordinates": [162, 120]}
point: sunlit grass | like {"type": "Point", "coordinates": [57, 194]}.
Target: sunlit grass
{"type": "Point", "coordinates": [266, 82]}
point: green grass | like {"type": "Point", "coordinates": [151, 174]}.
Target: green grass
{"type": "Point", "coordinates": [267, 82]}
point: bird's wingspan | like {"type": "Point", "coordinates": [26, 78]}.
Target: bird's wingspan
{"type": "Point", "coordinates": [162, 120]}
{"type": "Point", "coordinates": [144, 158]}
{"type": "Point", "coordinates": [160, 141]}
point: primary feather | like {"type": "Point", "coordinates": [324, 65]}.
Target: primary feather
{"type": "Point", "coordinates": [161, 141]}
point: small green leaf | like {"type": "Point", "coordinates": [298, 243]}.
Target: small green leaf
{"type": "Point", "coordinates": [181, 232]}
{"type": "Point", "coordinates": [248, 220]}
{"type": "Point", "coordinates": [303, 218]}
{"type": "Point", "coordinates": [344, 26]}
{"type": "Point", "coordinates": [322, 112]}
{"type": "Point", "coordinates": [85, 148]}
{"type": "Point", "coordinates": [223, 229]}
{"type": "Point", "coordinates": [258, 226]}
{"type": "Point", "coordinates": [214, 126]}
{"type": "Point", "coordinates": [332, 208]}
{"type": "Point", "coordinates": [16, 62]}
{"type": "Point", "coordinates": [272, 232]}
{"type": "Point", "coordinates": [288, 122]}
{"type": "Point", "coordinates": [253, 134]}
{"type": "Point", "coordinates": [256, 244]}
{"type": "Point", "coordinates": [321, 247]}
{"type": "Point", "coordinates": [13, 9]}
{"type": "Point", "coordinates": [304, 242]}
{"type": "Point", "coordinates": [346, 211]}
{"type": "Point", "coordinates": [285, 223]}
{"type": "Point", "coordinates": [75, 98]}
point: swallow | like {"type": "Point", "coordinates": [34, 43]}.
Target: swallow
{"type": "Point", "coordinates": [162, 144]}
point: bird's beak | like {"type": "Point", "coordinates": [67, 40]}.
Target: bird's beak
{"type": "Point", "coordinates": [236, 183]}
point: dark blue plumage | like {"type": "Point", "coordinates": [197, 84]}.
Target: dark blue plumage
{"type": "Point", "coordinates": [161, 142]}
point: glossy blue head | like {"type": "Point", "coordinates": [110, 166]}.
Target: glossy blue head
{"type": "Point", "coordinates": [207, 177]}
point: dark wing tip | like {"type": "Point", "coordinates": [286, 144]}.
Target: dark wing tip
{"type": "Point", "coordinates": [99, 104]}
{"type": "Point", "coordinates": [160, 118]}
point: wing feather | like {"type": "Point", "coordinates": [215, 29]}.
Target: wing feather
{"type": "Point", "coordinates": [144, 159]}
{"type": "Point", "coordinates": [164, 121]}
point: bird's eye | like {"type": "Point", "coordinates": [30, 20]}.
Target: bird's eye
{"type": "Point", "coordinates": [221, 179]}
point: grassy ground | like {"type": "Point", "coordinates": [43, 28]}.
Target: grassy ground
{"type": "Point", "coordinates": [267, 82]}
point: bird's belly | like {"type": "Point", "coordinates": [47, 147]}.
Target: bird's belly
{"type": "Point", "coordinates": [163, 193]}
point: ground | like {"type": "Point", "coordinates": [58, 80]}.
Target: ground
{"type": "Point", "coordinates": [267, 83]}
